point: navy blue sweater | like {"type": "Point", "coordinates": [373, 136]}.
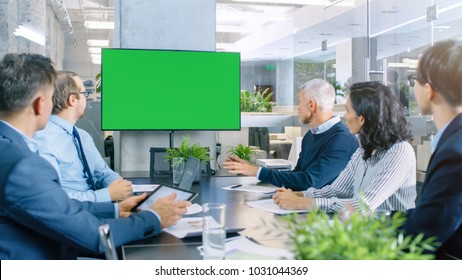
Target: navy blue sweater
{"type": "Point", "coordinates": [323, 156]}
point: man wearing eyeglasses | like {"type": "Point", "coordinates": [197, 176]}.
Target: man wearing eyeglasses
{"type": "Point", "coordinates": [83, 173]}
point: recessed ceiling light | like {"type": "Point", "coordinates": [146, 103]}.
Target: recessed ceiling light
{"type": "Point", "coordinates": [30, 34]}
{"type": "Point", "coordinates": [441, 27]}
{"type": "Point", "coordinates": [99, 24]}
{"type": "Point", "coordinates": [98, 43]}
{"type": "Point", "coordinates": [236, 29]}
{"type": "Point", "coordinates": [251, 16]}
{"type": "Point", "coordinates": [389, 12]}
{"type": "Point", "coordinates": [303, 2]}
{"type": "Point", "coordinates": [94, 50]}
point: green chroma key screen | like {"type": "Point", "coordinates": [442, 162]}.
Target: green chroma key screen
{"type": "Point", "coordinates": [170, 90]}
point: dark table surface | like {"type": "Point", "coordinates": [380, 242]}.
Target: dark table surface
{"type": "Point", "coordinates": [264, 227]}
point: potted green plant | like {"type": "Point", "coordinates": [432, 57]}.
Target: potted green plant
{"type": "Point", "coordinates": [185, 150]}
{"type": "Point", "coordinates": [359, 237]}
{"type": "Point", "coordinates": [259, 101]}
{"type": "Point", "coordinates": [241, 151]}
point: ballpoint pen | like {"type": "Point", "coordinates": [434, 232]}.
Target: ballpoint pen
{"type": "Point", "coordinates": [235, 186]}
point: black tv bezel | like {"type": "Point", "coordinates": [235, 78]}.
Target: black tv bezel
{"type": "Point", "coordinates": [165, 129]}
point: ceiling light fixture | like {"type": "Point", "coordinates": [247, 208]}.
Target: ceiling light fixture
{"type": "Point", "coordinates": [30, 34]}
{"type": "Point", "coordinates": [99, 24]}
{"type": "Point", "coordinates": [441, 27]}
{"type": "Point", "coordinates": [98, 43]}
{"type": "Point", "coordinates": [237, 29]}
{"type": "Point", "coordinates": [251, 16]}
{"type": "Point", "coordinates": [304, 2]}
{"type": "Point", "coordinates": [95, 58]}
{"type": "Point", "coordinates": [94, 50]}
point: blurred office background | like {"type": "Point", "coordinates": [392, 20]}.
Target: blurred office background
{"type": "Point", "coordinates": [283, 43]}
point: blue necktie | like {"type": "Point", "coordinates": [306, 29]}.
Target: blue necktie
{"type": "Point", "coordinates": [86, 168]}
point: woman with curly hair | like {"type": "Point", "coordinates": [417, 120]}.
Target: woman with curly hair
{"type": "Point", "coordinates": [381, 173]}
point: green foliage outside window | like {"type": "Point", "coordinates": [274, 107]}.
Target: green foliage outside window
{"type": "Point", "coordinates": [259, 101]}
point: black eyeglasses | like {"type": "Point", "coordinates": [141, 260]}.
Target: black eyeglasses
{"type": "Point", "coordinates": [85, 93]}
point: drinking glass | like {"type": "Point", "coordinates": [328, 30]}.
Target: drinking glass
{"type": "Point", "coordinates": [214, 234]}
{"type": "Point", "coordinates": [177, 167]}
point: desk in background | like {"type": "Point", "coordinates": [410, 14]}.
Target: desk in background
{"type": "Point", "coordinates": [263, 227]}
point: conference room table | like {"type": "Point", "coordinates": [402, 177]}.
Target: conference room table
{"type": "Point", "coordinates": [263, 227]}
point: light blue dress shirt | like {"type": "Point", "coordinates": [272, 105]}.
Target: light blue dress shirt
{"type": "Point", "coordinates": [325, 126]}
{"type": "Point", "coordinates": [437, 137]}
{"type": "Point", "coordinates": [31, 143]}
{"type": "Point", "coordinates": [58, 146]}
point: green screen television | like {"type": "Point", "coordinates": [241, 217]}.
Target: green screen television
{"type": "Point", "coordinates": [144, 89]}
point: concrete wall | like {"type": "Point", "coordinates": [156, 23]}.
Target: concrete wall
{"type": "Point", "coordinates": [39, 16]}
{"type": "Point", "coordinates": [8, 23]}
{"type": "Point", "coordinates": [55, 38]}
{"type": "Point", "coordinates": [160, 24]}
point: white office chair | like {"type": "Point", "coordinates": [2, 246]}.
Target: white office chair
{"type": "Point", "coordinates": [107, 241]}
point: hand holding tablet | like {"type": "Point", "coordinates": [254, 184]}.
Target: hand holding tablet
{"type": "Point", "coordinates": [163, 191]}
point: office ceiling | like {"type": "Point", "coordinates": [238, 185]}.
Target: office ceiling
{"type": "Point", "coordinates": [270, 31]}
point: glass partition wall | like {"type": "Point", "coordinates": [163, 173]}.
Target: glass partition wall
{"type": "Point", "coordinates": [344, 42]}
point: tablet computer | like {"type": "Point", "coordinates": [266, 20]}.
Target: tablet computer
{"type": "Point", "coordinates": [163, 191]}
{"type": "Point", "coordinates": [191, 167]}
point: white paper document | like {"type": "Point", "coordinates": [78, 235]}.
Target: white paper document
{"type": "Point", "coordinates": [270, 206]}
{"type": "Point", "coordinates": [186, 227]}
{"type": "Point", "coordinates": [242, 248]}
{"type": "Point", "coordinates": [144, 188]}
{"type": "Point", "coordinates": [193, 209]}
{"type": "Point", "coordinates": [189, 227]}
{"type": "Point", "coordinates": [252, 188]}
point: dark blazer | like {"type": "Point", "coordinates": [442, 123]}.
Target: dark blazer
{"type": "Point", "coordinates": [37, 218]}
{"type": "Point", "coordinates": [439, 209]}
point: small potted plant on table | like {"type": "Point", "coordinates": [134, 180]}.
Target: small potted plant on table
{"type": "Point", "coordinates": [185, 150]}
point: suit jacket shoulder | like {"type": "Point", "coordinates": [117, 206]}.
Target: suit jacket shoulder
{"type": "Point", "coordinates": [34, 210]}
{"type": "Point", "coordinates": [439, 210]}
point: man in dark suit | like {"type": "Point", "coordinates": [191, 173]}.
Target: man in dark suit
{"type": "Point", "coordinates": [438, 91]}
{"type": "Point", "coordinates": [37, 218]}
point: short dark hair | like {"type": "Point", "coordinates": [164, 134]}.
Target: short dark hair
{"type": "Point", "coordinates": [65, 86]}
{"type": "Point", "coordinates": [21, 77]}
{"type": "Point", "coordinates": [441, 67]}
{"type": "Point", "coordinates": [384, 120]}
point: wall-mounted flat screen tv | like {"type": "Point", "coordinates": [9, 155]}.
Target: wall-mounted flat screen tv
{"type": "Point", "coordinates": [144, 89]}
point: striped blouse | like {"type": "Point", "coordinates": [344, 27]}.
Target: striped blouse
{"type": "Point", "coordinates": [384, 182]}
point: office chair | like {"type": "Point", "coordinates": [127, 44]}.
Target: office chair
{"type": "Point", "coordinates": [159, 165]}
{"type": "Point", "coordinates": [108, 242]}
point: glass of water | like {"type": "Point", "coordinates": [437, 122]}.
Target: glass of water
{"type": "Point", "coordinates": [177, 167]}
{"type": "Point", "coordinates": [214, 234]}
